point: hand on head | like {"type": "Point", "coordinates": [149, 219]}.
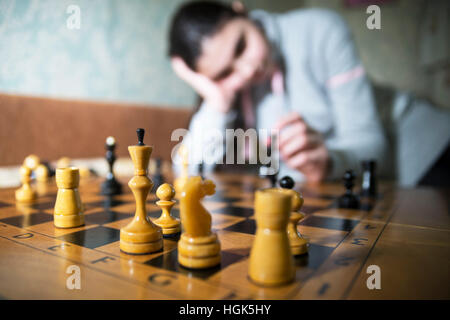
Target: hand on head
{"type": "Point", "coordinates": [302, 148]}
{"type": "Point", "coordinates": [215, 94]}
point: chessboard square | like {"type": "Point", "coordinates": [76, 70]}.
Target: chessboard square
{"type": "Point", "coordinates": [316, 202]}
{"type": "Point", "coordinates": [222, 221]}
{"type": "Point", "coordinates": [329, 223]}
{"type": "Point", "coordinates": [222, 198]}
{"type": "Point", "coordinates": [157, 213]}
{"type": "Point", "coordinates": [324, 237]}
{"type": "Point", "coordinates": [341, 213]}
{"type": "Point", "coordinates": [27, 220]}
{"type": "Point", "coordinates": [235, 242]}
{"type": "Point", "coordinates": [17, 210]}
{"type": "Point", "coordinates": [107, 202]}
{"type": "Point", "coordinates": [236, 211]}
{"type": "Point", "coordinates": [106, 216]}
{"type": "Point", "coordinates": [246, 226]}
{"type": "Point", "coordinates": [311, 209]}
{"type": "Point", "coordinates": [246, 203]}
{"type": "Point", "coordinates": [119, 224]}
{"type": "Point", "coordinates": [49, 229]}
{"type": "Point", "coordinates": [4, 204]}
{"type": "Point", "coordinates": [363, 206]}
{"type": "Point", "coordinates": [211, 206]}
{"type": "Point", "coordinates": [317, 195]}
{"type": "Point", "coordinates": [169, 261]}
{"type": "Point", "coordinates": [92, 238]}
{"type": "Point", "coordinates": [43, 205]}
{"type": "Point", "coordinates": [316, 255]}
{"type": "Point", "coordinates": [128, 208]}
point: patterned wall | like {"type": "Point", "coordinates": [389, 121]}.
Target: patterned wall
{"type": "Point", "coordinates": [119, 53]}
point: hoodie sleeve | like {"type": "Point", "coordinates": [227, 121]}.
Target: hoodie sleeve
{"type": "Point", "coordinates": [204, 139]}
{"type": "Point", "coordinates": [358, 130]}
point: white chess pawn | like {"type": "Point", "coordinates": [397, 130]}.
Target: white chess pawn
{"type": "Point", "coordinates": [25, 193]}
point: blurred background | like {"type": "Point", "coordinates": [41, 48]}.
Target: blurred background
{"type": "Point", "coordinates": [64, 90]}
{"type": "Point", "coordinates": [119, 52]}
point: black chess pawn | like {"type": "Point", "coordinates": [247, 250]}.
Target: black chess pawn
{"type": "Point", "coordinates": [349, 200]}
{"type": "Point", "coordinates": [369, 182]}
{"type": "Point", "coordinates": [201, 170]}
{"type": "Point", "coordinates": [287, 182]}
{"type": "Point", "coordinates": [157, 177]}
{"type": "Point", "coordinates": [111, 186]}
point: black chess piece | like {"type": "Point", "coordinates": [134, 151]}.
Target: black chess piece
{"type": "Point", "coordinates": [349, 200]}
{"type": "Point", "coordinates": [51, 170]}
{"type": "Point", "coordinates": [287, 182]}
{"type": "Point", "coordinates": [111, 186]}
{"type": "Point", "coordinates": [369, 181]}
{"type": "Point", "coordinates": [158, 178]}
{"type": "Point", "coordinates": [140, 133]}
{"type": "Point", "coordinates": [201, 170]}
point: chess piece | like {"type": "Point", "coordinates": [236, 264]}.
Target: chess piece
{"type": "Point", "coordinates": [201, 170]}
{"type": "Point", "coordinates": [32, 162]}
{"type": "Point", "coordinates": [158, 178]}
{"type": "Point", "coordinates": [271, 262]}
{"type": "Point", "coordinates": [111, 186]}
{"type": "Point", "coordinates": [85, 172]}
{"type": "Point", "coordinates": [182, 179]}
{"type": "Point", "coordinates": [63, 162]}
{"type": "Point", "coordinates": [198, 247]}
{"type": "Point", "coordinates": [68, 211]}
{"type": "Point", "coordinates": [141, 235]}
{"type": "Point", "coordinates": [25, 194]}
{"type": "Point", "coordinates": [369, 184]}
{"type": "Point", "coordinates": [299, 245]}
{"type": "Point", "coordinates": [170, 225]}
{"type": "Point", "coordinates": [348, 200]}
{"type": "Point", "coordinates": [42, 173]}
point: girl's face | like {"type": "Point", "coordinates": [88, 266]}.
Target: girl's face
{"type": "Point", "coordinates": [236, 55]}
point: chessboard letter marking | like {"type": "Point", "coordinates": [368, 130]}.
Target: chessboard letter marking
{"type": "Point", "coordinates": [62, 245]}
{"type": "Point", "coordinates": [323, 289]}
{"type": "Point", "coordinates": [104, 259]}
{"type": "Point", "coordinates": [161, 279]}
{"type": "Point", "coordinates": [24, 235]}
{"type": "Point", "coordinates": [359, 241]}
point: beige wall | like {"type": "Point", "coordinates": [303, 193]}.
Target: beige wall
{"type": "Point", "coordinates": [119, 54]}
{"type": "Point", "coordinates": [392, 55]}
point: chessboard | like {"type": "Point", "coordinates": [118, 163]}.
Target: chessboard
{"type": "Point", "coordinates": [404, 232]}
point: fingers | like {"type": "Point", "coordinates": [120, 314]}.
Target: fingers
{"type": "Point", "coordinates": [287, 120]}
{"type": "Point", "coordinates": [313, 163]}
{"type": "Point", "coordinates": [300, 160]}
{"type": "Point", "coordinates": [299, 144]}
{"type": "Point", "coordinates": [215, 95]}
{"type": "Point", "coordinates": [181, 68]}
{"type": "Point", "coordinates": [194, 79]}
{"type": "Point", "coordinates": [294, 131]}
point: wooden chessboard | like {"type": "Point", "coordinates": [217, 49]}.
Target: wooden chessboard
{"type": "Point", "coordinates": [404, 232]}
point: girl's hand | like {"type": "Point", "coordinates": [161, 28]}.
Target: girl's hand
{"type": "Point", "coordinates": [302, 148]}
{"type": "Point", "coordinates": [214, 94]}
